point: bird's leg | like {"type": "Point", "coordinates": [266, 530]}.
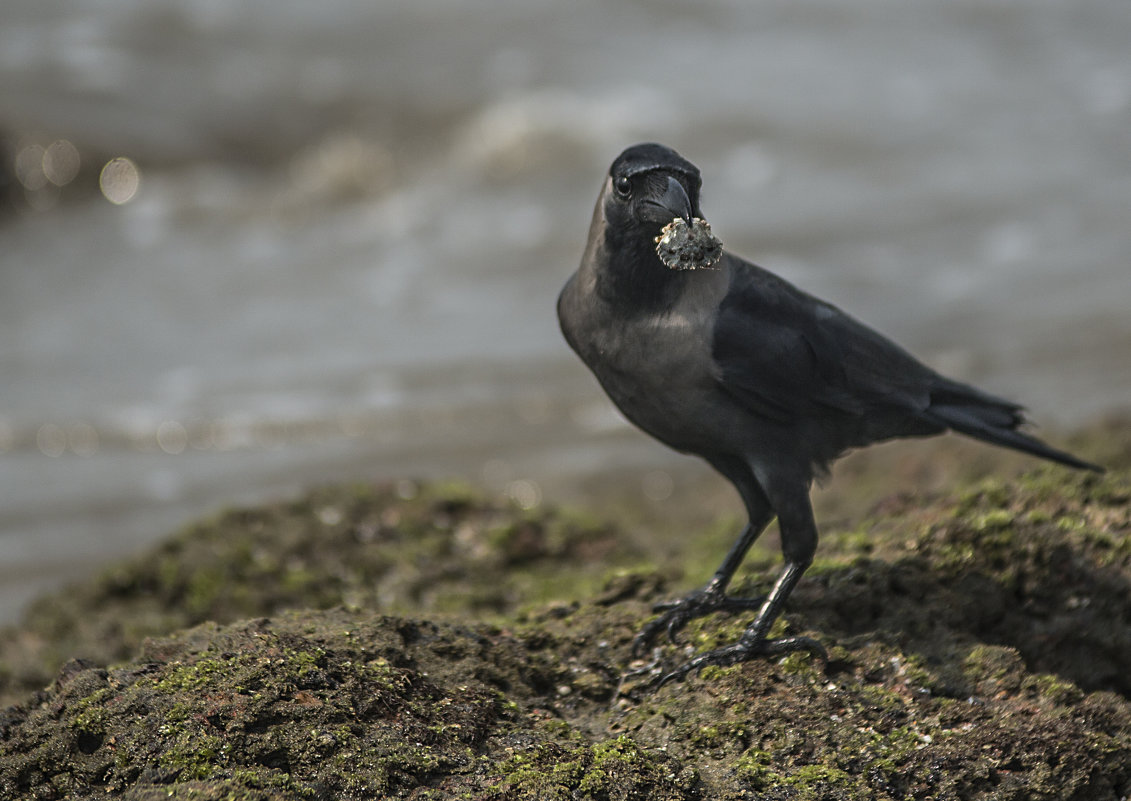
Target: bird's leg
{"type": "Point", "coordinates": [799, 543]}
{"type": "Point", "coordinates": [753, 643]}
{"type": "Point", "coordinates": [710, 598]}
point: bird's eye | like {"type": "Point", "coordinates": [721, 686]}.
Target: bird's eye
{"type": "Point", "coordinates": [623, 186]}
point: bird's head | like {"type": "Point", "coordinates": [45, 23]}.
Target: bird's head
{"type": "Point", "coordinates": [637, 251]}
{"type": "Point", "coordinates": [647, 187]}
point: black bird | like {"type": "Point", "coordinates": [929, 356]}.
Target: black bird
{"type": "Point", "coordinates": [765, 382]}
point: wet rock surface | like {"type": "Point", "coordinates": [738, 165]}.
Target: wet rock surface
{"type": "Point", "coordinates": [430, 643]}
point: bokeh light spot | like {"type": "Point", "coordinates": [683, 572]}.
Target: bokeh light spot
{"type": "Point", "coordinates": [82, 438]}
{"type": "Point", "coordinates": [29, 168]}
{"type": "Point", "coordinates": [525, 493]}
{"type": "Point", "coordinates": [172, 437]}
{"type": "Point", "coordinates": [61, 162]}
{"type": "Point", "coordinates": [119, 180]}
{"type": "Point", "coordinates": [51, 439]}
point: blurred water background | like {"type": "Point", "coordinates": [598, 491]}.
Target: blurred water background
{"type": "Point", "coordinates": [251, 247]}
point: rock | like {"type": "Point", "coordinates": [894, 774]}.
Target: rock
{"type": "Point", "coordinates": [978, 641]}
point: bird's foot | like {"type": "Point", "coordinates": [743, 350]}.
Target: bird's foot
{"type": "Point", "coordinates": [743, 650]}
{"type": "Point", "coordinates": [676, 614]}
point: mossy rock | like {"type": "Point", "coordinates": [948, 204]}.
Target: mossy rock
{"type": "Point", "coordinates": [431, 643]}
{"type": "Point", "coordinates": [440, 549]}
{"type": "Point", "coordinates": [346, 704]}
{"type": "Point", "coordinates": [318, 705]}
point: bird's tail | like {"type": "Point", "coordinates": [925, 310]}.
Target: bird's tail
{"type": "Point", "coordinates": [982, 416]}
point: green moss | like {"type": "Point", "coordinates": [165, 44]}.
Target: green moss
{"type": "Point", "coordinates": [194, 757]}
{"type": "Point", "coordinates": [915, 673]}
{"type": "Point", "coordinates": [994, 669]}
{"type": "Point", "coordinates": [615, 768]}
{"type": "Point", "coordinates": [89, 715]}
{"type": "Point", "coordinates": [1071, 524]}
{"type": "Point", "coordinates": [833, 564]}
{"type": "Point", "coordinates": [304, 661]}
{"type": "Point", "coordinates": [1037, 517]}
{"type": "Point", "coordinates": [880, 699]}
{"type": "Point", "coordinates": [800, 664]}
{"type": "Point", "coordinates": [1054, 689]}
{"type": "Point", "coordinates": [194, 676]}
{"type": "Point", "coordinates": [245, 779]}
{"type": "Point", "coordinates": [753, 768]}
{"type": "Point", "coordinates": [723, 734]}
{"type": "Point", "coordinates": [813, 778]}
{"type": "Point", "coordinates": [992, 521]}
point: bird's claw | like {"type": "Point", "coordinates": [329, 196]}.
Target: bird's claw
{"type": "Point", "coordinates": [742, 651]}
{"type": "Point", "coordinates": [677, 614]}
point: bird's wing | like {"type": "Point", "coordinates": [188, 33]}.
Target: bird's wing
{"type": "Point", "coordinates": [790, 356]}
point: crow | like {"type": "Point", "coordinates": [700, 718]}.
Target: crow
{"type": "Point", "coordinates": [765, 382]}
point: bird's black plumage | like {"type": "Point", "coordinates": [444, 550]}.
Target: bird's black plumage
{"type": "Point", "coordinates": [766, 382]}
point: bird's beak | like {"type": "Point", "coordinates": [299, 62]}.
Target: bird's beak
{"type": "Point", "coordinates": [673, 203]}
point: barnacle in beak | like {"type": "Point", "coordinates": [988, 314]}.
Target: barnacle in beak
{"type": "Point", "coordinates": [683, 246]}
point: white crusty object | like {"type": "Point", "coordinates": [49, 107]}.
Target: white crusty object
{"type": "Point", "coordinates": [681, 246]}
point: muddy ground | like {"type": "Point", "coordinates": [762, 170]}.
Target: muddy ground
{"type": "Point", "coordinates": [428, 642]}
